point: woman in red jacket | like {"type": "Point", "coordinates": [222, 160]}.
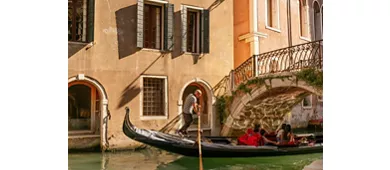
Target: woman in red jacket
{"type": "Point", "coordinates": [251, 138]}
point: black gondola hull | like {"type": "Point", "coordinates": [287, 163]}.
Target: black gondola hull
{"type": "Point", "coordinates": [188, 147]}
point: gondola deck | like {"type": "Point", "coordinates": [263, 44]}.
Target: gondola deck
{"type": "Point", "coordinates": [189, 147]}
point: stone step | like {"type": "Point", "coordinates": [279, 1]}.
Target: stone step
{"type": "Point", "coordinates": [316, 165]}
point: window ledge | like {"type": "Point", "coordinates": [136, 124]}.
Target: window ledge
{"type": "Point", "coordinates": [152, 50]}
{"type": "Point", "coordinates": [305, 38]}
{"type": "Point", "coordinates": [189, 53]}
{"type": "Point", "coordinates": [273, 29]}
{"type": "Point", "coordinates": [88, 45]}
{"type": "Point", "coordinates": [154, 118]}
{"type": "Point", "coordinates": [307, 107]}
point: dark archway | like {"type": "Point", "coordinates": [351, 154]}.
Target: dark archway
{"type": "Point", "coordinates": [203, 102]}
{"type": "Point", "coordinates": [84, 111]}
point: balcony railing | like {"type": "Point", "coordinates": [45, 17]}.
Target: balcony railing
{"type": "Point", "coordinates": [288, 59]}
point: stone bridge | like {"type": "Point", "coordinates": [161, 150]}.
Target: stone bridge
{"type": "Point", "coordinates": [265, 88]}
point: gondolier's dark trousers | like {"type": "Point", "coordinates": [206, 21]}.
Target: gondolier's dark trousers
{"type": "Point", "coordinates": [187, 122]}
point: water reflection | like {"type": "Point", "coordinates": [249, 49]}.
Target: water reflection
{"type": "Point", "coordinates": [152, 159]}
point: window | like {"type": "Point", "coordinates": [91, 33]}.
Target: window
{"type": "Point", "coordinates": [303, 19]}
{"type": "Point", "coordinates": [317, 21]}
{"type": "Point", "coordinates": [80, 20]}
{"type": "Point", "coordinates": [272, 15]}
{"type": "Point", "coordinates": [195, 29]}
{"type": "Point", "coordinates": [152, 26]}
{"type": "Point", "coordinates": [83, 108]}
{"type": "Point", "coordinates": [154, 96]}
{"type": "Point", "coordinates": [192, 31]}
{"type": "Point", "coordinates": [155, 24]}
{"type": "Point", "coordinates": [307, 102]}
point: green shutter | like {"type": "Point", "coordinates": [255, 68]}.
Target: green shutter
{"type": "Point", "coordinates": [206, 31]}
{"type": "Point", "coordinates": [168, 27]}
{"type": "Point", "coordinates": [183, 29]}
{"type": "Point", "coordinates": [140, 23]}
{"type": "Point", "coordinates": [90, 20]}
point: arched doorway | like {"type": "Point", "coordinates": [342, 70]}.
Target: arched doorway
{"type": "Point", "coordinates": [83, 108]}
{"type": "Point", "coordinates": [87, 112]}
{"type": "Point", "coordinates": [190, 89]}
{"type": "Point", "coordinates": [317, 21]}
{"type": "Point", "coordinates": [207, 114]}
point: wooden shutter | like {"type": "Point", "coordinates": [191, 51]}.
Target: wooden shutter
{"type": "Point", "coordinates": [168, 27]}
{"type": "Point", "coordinates": [206, 31]}
{"type": "Point", "coordinates": [90, 20]}
{"type": "Point", "coordinates": [140, 23]}
{"type": "Point", "coordinates": [183, 29]}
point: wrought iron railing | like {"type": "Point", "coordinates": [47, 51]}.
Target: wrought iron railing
{"type": "Point", "coordinates": [288, 59]}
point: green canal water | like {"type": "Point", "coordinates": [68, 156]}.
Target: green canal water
{"type": "Point", "coordinates": [152, 159]}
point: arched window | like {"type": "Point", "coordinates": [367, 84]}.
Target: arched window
{"type": "Point", "coordinates": [303, 19]}
{"type": "Point", "coordinates": [317, 21]}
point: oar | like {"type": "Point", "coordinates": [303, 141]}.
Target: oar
{"type": "Point", "coordinates": [199, 143]}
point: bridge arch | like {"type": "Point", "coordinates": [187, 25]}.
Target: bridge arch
{"type": "Point", "coordinates": [273, 100]}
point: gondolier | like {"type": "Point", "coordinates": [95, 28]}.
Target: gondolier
{"type": "Point", "coordinates": [190, 105]}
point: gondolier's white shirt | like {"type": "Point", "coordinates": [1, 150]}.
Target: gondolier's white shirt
{"type": "Point", "coordinates": [188, 104]}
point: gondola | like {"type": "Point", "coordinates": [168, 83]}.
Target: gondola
{"type": "Point", "coordinates": [211, 146]}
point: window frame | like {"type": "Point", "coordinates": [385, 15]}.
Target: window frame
{"type": "Point", "coordinates": [92, 130]}
{"type": "Point", "coordinates": [200, 26]}
{"type": "Point", "coordinates": [198, 38]}
{"type": "Point", "coordinates": [86, 27]}
{"type": "Point", "coordinates": [300, 21]}
{"type": "Point", "coordinates": [277, 28]}
{"type": "Point", "coordinates": [142, 116]}
{"type": "Point", "coordinates": [160, 4]}
{"type": "Point", "coordinates": [311, 102]}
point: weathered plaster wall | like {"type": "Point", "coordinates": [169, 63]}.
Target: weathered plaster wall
{"type": "Point", "coordinates": [301, 116]}
{"type": "Point", "coordinates": [116, 63]}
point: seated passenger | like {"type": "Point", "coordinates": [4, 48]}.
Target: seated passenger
{"type": "Point", "coordinates": [265, 141]}
{"type": "Point", "coordinates": [290, 136]}
{"type": "Point", "coordinates": [251, 137]}
{"type": "Point", "coordinates": [281, 135]}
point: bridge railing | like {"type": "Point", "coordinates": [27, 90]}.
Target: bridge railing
{"type": "Point", "coordinates": [290, 59]}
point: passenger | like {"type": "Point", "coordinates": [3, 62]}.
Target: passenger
{"type": "Point", "coordinates": [265, 141]}
{"type": "Point", "coordinates": [290, 136]}
{"type": "Point", "coordinates": [251, 137]}
{"type": "Point", "coordinates": [281, 135]}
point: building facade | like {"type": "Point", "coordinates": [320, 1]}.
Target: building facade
{"type": "Point", "coordinates": [262, 26]}
{"type": "Point", "coordinates": [148, 55]}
